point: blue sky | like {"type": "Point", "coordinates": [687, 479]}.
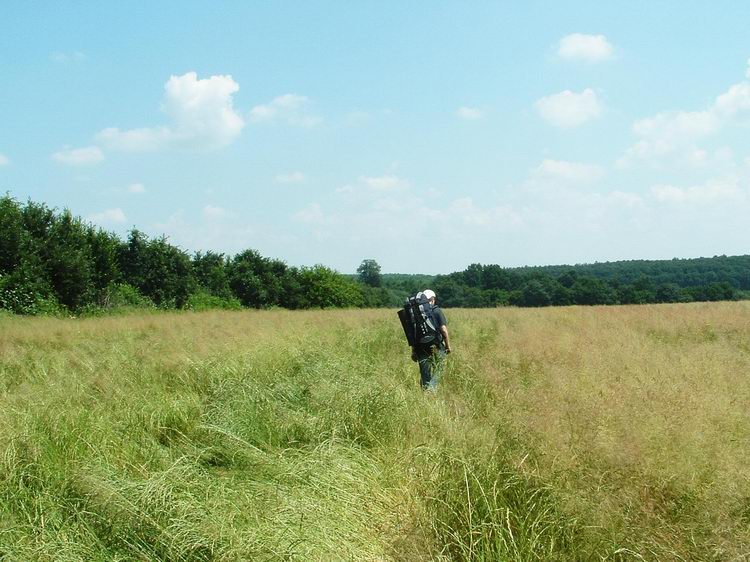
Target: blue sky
{"type": "Point", "coordinates": [425, 135]}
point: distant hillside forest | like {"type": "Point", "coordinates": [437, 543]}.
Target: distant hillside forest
{"type": "Point", "coordinates": [622, 282]}
{"type": "Point", "coordinates": [52, 262]}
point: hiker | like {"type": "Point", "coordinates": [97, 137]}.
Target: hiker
{"type": "Point", "coordinates": [431, 356]}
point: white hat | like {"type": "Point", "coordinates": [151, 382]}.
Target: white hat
{"type": "Point", "coordinates": [429, 293]}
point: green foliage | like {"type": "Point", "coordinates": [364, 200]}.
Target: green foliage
{"type": "Point", "coordinates": [210, 273]}
{"type": "Point", "coordinates": [490, 285]}
{"type": "Point", "coordinates": [369, 273]}
{"type": "Point", "coordinates": [123, 296]}
{"type": "Point", "coordinates": [206, 301]}
{"type": "Point", "coordinates": [256, 281]}
{"type": "Point", "coordinates": [54, 262]}
{"type": "Point", "coordinates": [11, 233]}
{"type": "Point", "coordinates": [157, 269]}
{"type": "Point", "coordinates": [375, 297]}
{"type": "Point", "coordinates": [325, 288]}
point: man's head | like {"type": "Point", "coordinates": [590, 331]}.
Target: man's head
{"type": "Point", "coordinates": [430, 294]}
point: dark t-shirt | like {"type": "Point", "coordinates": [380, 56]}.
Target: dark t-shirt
{"type": "Point", "coordinates": [439, 316]}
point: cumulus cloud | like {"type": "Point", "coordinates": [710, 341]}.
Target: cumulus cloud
{"type": "Point", "coordinates": [675, 134]}
{"type": "Point", "coordinates": [108, 217]}
{"type": "Point", "coordinates": [86, 156]}
{"type": "Point", "coordinates": [291, 109]}
{"type": "Point", "coordinates": [569, 109]}
{"type": "Point", "coordinates": [136, 188]}
{"type": "Point", "coordinates": [290, 177]}
{"type": "Point", "coordinates": [574, 172]}
{"type": "Point", "coordinates": [723, 189]}
{"type": "Point", "coordinates": [469, 113]}
{"type": "Point", "coordinates": [733, 102]}
{"type": "Point", "coordinates": [4, 160]}
{"type": "Point", "coordinates": [466, 212]}
{"type": "Point", "coordinates": [201, 115]}
{"type": "Point", "coordinates": [587, 48]}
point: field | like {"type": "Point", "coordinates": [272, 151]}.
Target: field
{"type": "Point", "coordinates": [580, 433]}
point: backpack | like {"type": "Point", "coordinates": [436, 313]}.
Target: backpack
{"type": "Point", "coordinates": [418, 321]}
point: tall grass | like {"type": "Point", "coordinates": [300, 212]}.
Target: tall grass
{"type": "Point", "coordinates": [558, 434]}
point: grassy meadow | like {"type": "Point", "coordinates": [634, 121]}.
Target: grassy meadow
{"type": "Point", "coordinates": [579, 433]}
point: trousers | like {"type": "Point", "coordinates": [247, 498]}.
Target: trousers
{"type": "Point", "coordinates": [431, 366]}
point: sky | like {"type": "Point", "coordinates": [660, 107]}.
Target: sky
{"type": "Point", "coordinates": [424, 135]}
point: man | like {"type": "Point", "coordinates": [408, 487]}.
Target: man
{"type": "Point", "coordinates": [431, 357]}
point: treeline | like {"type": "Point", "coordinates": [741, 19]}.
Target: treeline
{"type": "Point", "coordinates": [54, 262]}
{"type": "Point", "coordinates": [627, 282]}
{"type": "Point", "coordinates": [694, 272]}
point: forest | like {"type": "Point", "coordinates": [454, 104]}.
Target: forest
{"type": "Point", "coordinates": [624, 282]}
{"type": "Point", "coordinates": [54, 262]}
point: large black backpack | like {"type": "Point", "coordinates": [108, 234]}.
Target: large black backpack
{"type": "Point", "coordinates": [418, 321]}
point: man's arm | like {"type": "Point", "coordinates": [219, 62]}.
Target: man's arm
{"type": "Point", "coordinates": [444, 331]}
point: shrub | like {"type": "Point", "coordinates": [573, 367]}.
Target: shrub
{"type": "Point", "coordinates": [204, 301]}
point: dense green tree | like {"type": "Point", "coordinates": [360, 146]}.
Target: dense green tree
{"type": "Point", "coordinates": [325, 288]}
{"type": "Point", "coordinates": [68, 261]}
{"type": "Point", "coordinates": [589, 290]}
{"type": "Point", "coordinates": [245, 278]}
{"type": "Point", "coordinates": [50, 259]}
{"type": "Point", "coordinates": [495, 277]}
{"type": "Point", "coordinates": [11, 233]}
{"type": "Point", "coordinates": [160, 271]}
{"type": "Point", "coordinates": [369, 273]}
{"type": "Point", "coordinates": [668, 292]}
{"type": "Point", "coordinates": [210, 270]}
{"type": "Point", "coordinates": [533, 293]}
{"type": "Point", "coordinates": [473, 275]}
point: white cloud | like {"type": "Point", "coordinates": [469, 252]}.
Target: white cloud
{"type": "Point", "coordinates": [108, 217]}
{"type": "Point", "coordinates": [672, 135]}
{"type": "Point", "coordinates": [289, 108]}
{"type": "Point", "coordinates": [201, 113]}
{"type": "Point", "coordinates": [588, 48]}
{"type": "Point", "coordinates": [290, 177]}
{"type": "Point", "coordinates": [575, 172]}
{"type": "Point", "coordinates": [4, 160]}
{"type": "Point", "coordinates": [136, 140]}
{"type": "Point", "coordinates": [569, 109]}
{"type": "Point", "coordinates": [136, 188]}
{"type": "Point", "coordinates": [724, 189]}
{"type": "Point", "coordinates": [466, 212]}
{"type": "Point", "coordinates": [79, 156]}
{"type": "Point", "coordinates": [733, 101]}
{"type": "Point", "coordinates": [469, 113]}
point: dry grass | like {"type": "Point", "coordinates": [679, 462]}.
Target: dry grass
{"type": "Point", "coordinates": [558, 434]}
